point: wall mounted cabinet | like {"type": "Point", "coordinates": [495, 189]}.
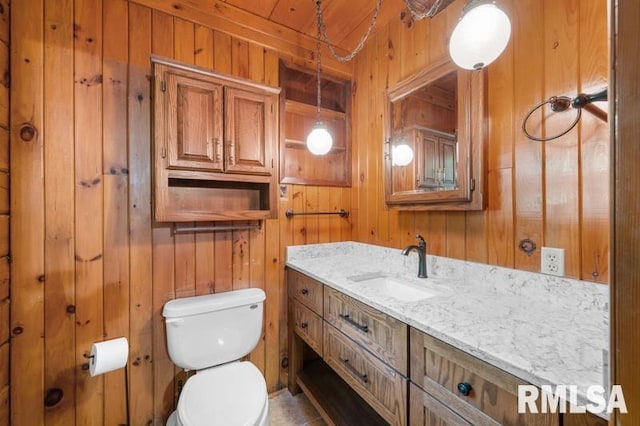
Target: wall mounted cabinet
{"type": "Point", "coordinates": [215, 145]}
{"type": "Point", "coordinates": [440, 112]}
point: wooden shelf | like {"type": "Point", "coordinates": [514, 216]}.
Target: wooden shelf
{"type": "Point", "coordinates": [298, 144]}
{"type": "Point", "coordinates": [336, 402]}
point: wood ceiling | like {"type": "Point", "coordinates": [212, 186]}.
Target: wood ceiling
{"type": "Point", "coordinates": [346, 20]}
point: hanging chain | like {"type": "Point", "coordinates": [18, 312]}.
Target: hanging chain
{"type": "Point", "coordinates": [435, 8]}
{"type": "Point", "coordinates": [318, 45]}
{"type": "Point", "coordinates": [322, 28]}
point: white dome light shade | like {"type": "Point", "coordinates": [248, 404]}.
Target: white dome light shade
{"type": "Point", "coordinates": [319, 140]}
{"type": "Point", "coordinates": [402, 155]}
{"type": "Point", "coordinates": [480, 36]}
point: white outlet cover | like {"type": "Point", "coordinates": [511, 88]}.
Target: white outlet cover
{"type": "Point", "coordinates": [552, 261]}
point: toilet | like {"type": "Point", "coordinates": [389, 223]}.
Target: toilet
{"type": "Point", "coordinates": [210, 334]}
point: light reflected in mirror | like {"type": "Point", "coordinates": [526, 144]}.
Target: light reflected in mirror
{"type": "Point", "coordinates": [425, 120]}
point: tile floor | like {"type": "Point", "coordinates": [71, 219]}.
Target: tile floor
{"type": "Point", "coordinates": [288, 410]}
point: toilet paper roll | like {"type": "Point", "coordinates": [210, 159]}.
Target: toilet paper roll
{"type": "Point", "coordinates": [108, 356]}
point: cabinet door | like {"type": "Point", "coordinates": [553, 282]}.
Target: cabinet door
{"type": "Point", "coordinates": [250, 132]}
{"type": "Point", "coordinates": [430, 155]}
{"type": "Point", "coordinates": [428, 411]}
{"type": "Point", "coordinates": [448, 161]}
{"type": "Point", "coordinates": [194, 123]}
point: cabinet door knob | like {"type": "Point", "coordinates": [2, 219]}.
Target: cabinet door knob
{"type": "Point", "coordinates": [464, 388]}
{"type": "Point", "coordinates": [304, 325]}
{"type": "Point", "coordinates": [304, 291]}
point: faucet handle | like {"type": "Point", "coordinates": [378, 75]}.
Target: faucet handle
{"type": "Point", "coordinates": [423, 244]}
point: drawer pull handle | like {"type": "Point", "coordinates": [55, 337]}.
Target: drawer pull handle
{"type": "Point", "coordinates": [361, 376]}
{"type": "Point", "coordinates": [347, 318]}
{"type": "Point", "coordinates": [304, 291]}
{"type": "Point", "coordinates": [304, 325]}
{"type": "Point", "coordinates": [464, 388]}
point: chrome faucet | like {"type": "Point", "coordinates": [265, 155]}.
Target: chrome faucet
{"type": "Point", "coordinates": [421, 248]}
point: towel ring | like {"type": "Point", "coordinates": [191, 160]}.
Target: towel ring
{"type": "Point", "coordinates": [558, 104]}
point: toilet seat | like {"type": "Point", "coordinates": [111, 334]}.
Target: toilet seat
{"type": "Point", "coordinates": [231, 394]}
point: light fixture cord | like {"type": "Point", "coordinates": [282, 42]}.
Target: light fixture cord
{"type": "Point", "coordinates": [322, 28]}
{"type": "Point", "coordinates": [318, 45]}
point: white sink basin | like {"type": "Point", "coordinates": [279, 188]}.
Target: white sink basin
{"type": "Point", "coordinates": [394, 288]}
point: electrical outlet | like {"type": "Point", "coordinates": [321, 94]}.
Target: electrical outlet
{"type": "Point", "coordinates": [552, 261]}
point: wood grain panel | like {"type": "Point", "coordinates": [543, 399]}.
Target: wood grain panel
{"type": "Point", "coordinates": [625, 273]}
{"type": "Point", "coordinates": [164, 263]}
{"type": "Point", "coordinates": [4, 85]}
{"type": "Point", "coordinates": [594, 146]}
{"type": "Point", "coordinates": [562, 192]}
{"type": "Point", "coordinates": [275, 304]}
{"type": "Point", "coordinates": [5, 19]}
{"type": "Point", "coordinates": [59, 247]}
{"type": "Point", "coordinates": [4, 361]}
{"type": "Point", "coordinates": [4, 406]}
{"type": "Point", "coordinates": [528, 155]}
{"type": "Point", "coordinates": [4, 149]}
{"type": "Point", "coordinates": [89, 217]}
{"type": "Point", "coordinates": [115, 171]}
{"type": "Point", "coordinates": [27, 204]}
{"type": "Point", "coordinates": [139, 211]}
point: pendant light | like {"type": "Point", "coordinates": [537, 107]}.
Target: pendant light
{"type": "Point", "coordinates": [319, 140]}
{"type": "Point", "coordinates": [480, 36]}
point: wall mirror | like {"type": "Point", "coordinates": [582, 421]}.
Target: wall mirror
{"type": "Point", "coordinates": [434, 140]}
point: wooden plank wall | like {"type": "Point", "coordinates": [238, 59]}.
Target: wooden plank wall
{"type": "Point", "coordinates": [5, 271]}
{"type": "Point", "coordinates": [89, 263]}
{"type": "Point", "coordinates": [555, 193]}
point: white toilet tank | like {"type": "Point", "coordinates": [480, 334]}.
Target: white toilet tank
{"type": "Point", "coordinates": [205, 331]}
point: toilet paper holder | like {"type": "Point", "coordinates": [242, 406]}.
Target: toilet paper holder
{"type": "Point", "coordinates": [91, 356]}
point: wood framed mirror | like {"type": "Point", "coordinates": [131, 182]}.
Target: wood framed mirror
{"type": "Point", "coordinates": [438, 115]}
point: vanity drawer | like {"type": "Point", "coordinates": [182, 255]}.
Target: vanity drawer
{"type": "Point", "coordinates": [492, 397]}
{"type": "Point", "coordinates": [428, 411]}
{"type": "Point", "coordinates": [306, 290]}
{"type": "Point", "coordinates": [381, 334]}
{"type": "Point", "coordinates": [307, 325]}
{"type": "Point", "coordinates": [377, 383]}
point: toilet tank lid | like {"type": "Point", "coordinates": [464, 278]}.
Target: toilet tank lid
{"type": "Point", "coordinates": [212, 302]}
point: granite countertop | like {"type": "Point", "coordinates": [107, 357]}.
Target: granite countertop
{"type": "Point", "coordinates": [542, 329]}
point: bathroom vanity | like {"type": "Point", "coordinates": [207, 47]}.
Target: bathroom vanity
{"type": "Point", "coordinates": [371, 343]}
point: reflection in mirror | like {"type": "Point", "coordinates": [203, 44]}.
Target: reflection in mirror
{"type": "Point", "coordinates": [438, 115]}
{"type": "Point", "coordinates": [425, 122]}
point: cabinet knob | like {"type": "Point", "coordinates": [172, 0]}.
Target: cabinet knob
{"type": "Point", "coordinates": [304, 325]}
{"type": "Point", "coordinates": [304, 291]}
{"type": "Point", "coordinates": [464, 388]}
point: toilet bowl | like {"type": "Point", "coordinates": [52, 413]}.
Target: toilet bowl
{"type": "Point", "coordinates": [210, 334]}
{"type": "Point", "coordinates": [232, 394]}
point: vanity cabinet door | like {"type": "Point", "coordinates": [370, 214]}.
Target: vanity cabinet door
{"type": "Point", "coordinates": [307, 325]}
{"type": "Point", "coordinates": [472, 388]}
{"type": "Point", "coordinates": [381, 334]}
{"type": "Point", "coordinates": [306, 290]}
{"type": "Point", "coordinates": [377, 383]}
{"type": "Point", "coordinates": [427, 411]}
